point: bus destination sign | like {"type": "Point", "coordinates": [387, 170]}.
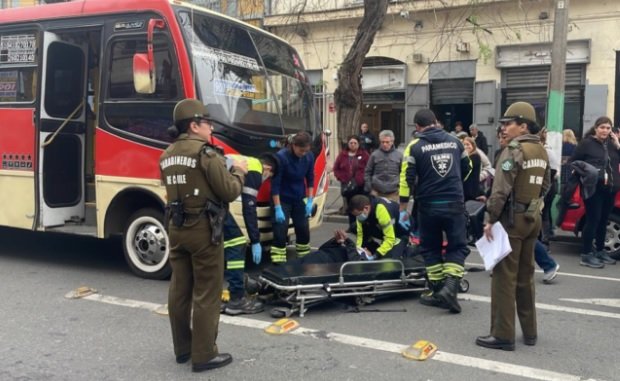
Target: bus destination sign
{"type": "Point", "coordinates": [18, 48]}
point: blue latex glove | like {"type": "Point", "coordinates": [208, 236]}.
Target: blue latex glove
{"type": "Point", "coordinates": [257, 252]}
{"type": "Point", "coordinates": [279, 214]}
{"type": "Point", "coordinates": [309, 207]}
{"type": "Point", "coordinates": [366, 255]}
{"type": "Point", "coordinates": [404, 221]}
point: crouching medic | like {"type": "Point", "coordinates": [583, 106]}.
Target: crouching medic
{"type": "Point", "coordinates": [259, 170]}
{"type": "Point", "coordinates": [378, 234]}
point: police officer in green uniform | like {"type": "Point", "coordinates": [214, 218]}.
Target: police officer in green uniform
{"type": "Point", "coordinates": [522, 177]}
{"type": "Point", "coordinates": [198, 188]}
{"type": "Point", "coordinates": [259, 170]}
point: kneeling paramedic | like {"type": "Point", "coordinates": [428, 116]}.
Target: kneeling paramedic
{"type": "Point", "coordinates": [377, 231]}
{"type": "Point", "coordinates": [259, 170]}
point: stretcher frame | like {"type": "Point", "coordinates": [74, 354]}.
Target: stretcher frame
{"type": "Point", "coordinates": [299, 297]}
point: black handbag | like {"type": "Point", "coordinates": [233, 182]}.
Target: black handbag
{"type": "Point", "coordinates": [349, 188]}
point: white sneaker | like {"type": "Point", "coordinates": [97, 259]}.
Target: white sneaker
{"type": "Point", "coordinates": [550, 275]}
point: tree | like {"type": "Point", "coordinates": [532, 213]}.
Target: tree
{"type": "Point", "coordinates": [348, 95]}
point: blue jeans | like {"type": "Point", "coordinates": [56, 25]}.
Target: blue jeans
{"type": "Point", "coordinates": [542, 257]}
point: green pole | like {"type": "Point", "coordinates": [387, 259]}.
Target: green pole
{"type": "Point", "coordinates": [555, 102]}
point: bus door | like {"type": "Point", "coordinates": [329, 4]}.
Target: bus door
{"type": "Point", "coordinates": [62, 128]}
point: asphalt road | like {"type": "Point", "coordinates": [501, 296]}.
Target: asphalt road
{"type": "Point", "coordinates": [46, 336]}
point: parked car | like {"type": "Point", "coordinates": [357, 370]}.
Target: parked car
{"type": "Point", "coordinates": [574, 219]}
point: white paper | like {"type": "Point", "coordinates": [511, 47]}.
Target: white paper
{"type": "Point", "coordinates": [494, 251]}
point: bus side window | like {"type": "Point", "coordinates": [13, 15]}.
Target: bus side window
{"type": "Point", "coordinates": [18, 84]}
{"type": "Point", "coordinates": [146, 115]}
{"type": "Point", "coordinates": [121, 75]}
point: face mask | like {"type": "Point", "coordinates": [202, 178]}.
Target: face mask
{"type": "Point", "coordinates": [362, 217]}
{"type": "Point", "coordinates": [266, 176]}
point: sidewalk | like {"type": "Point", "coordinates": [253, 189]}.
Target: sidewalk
{"type": "Point", "coordinates": [334, 202]}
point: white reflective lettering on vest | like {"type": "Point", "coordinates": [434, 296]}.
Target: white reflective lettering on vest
{"type": "Point", "coordinates": [178, 160]}
{"type": "Point", "coordinates": [535, 163]}
{"type": "Point", "coordinates": [439, 146]}
{"type": "Point", "coordinates": [175, 179]}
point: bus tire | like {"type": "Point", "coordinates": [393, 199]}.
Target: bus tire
{"type": "Point", "coordinates": [612, 236]}
{"type": "Point", "coordinates": [146, 244]}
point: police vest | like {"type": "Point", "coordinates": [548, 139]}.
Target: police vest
{"type": "Point", "coordinates": [183, 175]}
{"type": "Point", "coordinates": [529, 180]}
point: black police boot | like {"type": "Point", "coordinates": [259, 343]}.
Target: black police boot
{"type": "Point", "coordinates": [244, 305]}
{"type": "Point", "coordinates": [448, 294]}
{"type": "Point", "coordinates": [429, 298]}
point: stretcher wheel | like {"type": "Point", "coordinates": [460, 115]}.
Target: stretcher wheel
{"type": "Point", "coordinates": [280, 312]}
{"type": "Point", "coordinates": [364, 300]}
{"type": "Point", "coordinates": [463, 285]}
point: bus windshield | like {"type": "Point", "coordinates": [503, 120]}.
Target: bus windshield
{"type": "Point", "coordinates": [247, 79]}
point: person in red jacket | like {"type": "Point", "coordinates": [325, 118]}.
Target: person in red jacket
{"type": "Point", "coordinates": [349, 170]}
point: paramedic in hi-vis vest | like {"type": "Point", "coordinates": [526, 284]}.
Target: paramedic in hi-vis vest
{"type": "Point", "coordinates": [259, 170]}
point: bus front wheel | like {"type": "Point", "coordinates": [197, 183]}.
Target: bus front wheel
{"type": "Point", "coordinates": [146, 244]}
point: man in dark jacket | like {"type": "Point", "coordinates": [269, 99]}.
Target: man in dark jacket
{"type": "Point", "coordinates": [481, 140]}
{"type": "Point", "coordinates": [434, 166]}
{"type": "Point", "coordinates": [368, 141]}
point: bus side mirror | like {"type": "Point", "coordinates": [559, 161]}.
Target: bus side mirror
{"type": "Point", "coordinates": [144, 70]}
{"type": "Point", "coordinates": [143, 77]}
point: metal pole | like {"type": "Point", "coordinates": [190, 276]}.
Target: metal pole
{"type": "Point", "coordinates": [555, 104]}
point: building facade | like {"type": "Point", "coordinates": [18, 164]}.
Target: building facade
{"type": "Point", "coordinates": [465, 59]}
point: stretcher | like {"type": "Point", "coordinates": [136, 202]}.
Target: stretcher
{"type": "Point", "coordinates": [299, 286]}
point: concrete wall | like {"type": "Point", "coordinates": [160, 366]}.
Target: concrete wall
{"type": "Point", "coordinates": [435, 33]}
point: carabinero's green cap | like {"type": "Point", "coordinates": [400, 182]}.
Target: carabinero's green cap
{"type": "Point", "coordinates": [189, 109]}
{"type": "Point", "coordinates": [519, 110]}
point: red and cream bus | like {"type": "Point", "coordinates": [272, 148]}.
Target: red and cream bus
{"type": "Point", "coordinates": [87, 90]}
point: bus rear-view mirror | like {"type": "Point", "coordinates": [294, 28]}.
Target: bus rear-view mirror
{"type": "Point", "coordinates": [144, 63]}
{"type": "Point", "coordinates": [143, 74]}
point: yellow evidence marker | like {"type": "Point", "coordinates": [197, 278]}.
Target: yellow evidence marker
{"type": "Point", "coordinates": [282, 326]}
{"type": "Point", "coordinates": [225, 296]}
{"type": "Point", "coordinates": [80, 292]}
{"type": "Point", "coordinates": [421, 350]}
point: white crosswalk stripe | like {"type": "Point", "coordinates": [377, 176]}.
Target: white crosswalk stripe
{"type": "Point", "coordinates": [385, 346]}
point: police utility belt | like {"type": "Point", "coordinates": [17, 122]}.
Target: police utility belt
{"type": "Point", "coordinates": [530, 210]}
{"type": "Point", "coordinates": [520, 207]}
{"type": "Point", "coordinates": [214, 212]}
